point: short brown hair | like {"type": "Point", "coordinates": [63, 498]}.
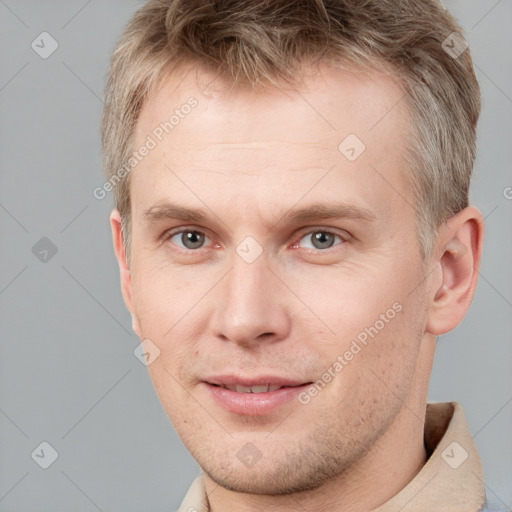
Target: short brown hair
{"type": "Point", "coordinates": [264, 41]}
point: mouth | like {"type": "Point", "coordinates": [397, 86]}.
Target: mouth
{"type": "Point", "coordinates": [261, 388]}
{"type": "Point", "coordinates": [253, 396]}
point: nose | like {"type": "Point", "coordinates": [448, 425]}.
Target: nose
{"type": "Point", "coordinates": [251, 306]}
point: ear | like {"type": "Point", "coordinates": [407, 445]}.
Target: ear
{"type": "Point", "coordinates": [126, 276]}
{"type": "Point", "coordinates": [458, 255]}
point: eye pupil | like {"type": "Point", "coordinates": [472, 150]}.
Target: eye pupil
{"type": "Point", "coordinates": [192, 239]}
{"type": "Point", "coordinates": [322, 240]}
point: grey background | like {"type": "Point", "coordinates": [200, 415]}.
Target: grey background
{"type": "Point", "coordinates": [68, 373]}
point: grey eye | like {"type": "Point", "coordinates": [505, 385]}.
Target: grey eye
{"type": "Point", "coordinates": [189, 239]}
{"type": "Point", "coordinates": [319, 240]}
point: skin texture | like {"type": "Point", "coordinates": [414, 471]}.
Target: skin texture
{"type": "Point", "coordinates": [246, 159]}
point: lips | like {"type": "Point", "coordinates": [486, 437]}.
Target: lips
{"type": "Point", "coordinates": [263, 388]}
{"type": "Point", "coordinates": [253, 396]}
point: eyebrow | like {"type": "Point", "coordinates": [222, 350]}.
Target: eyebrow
{"type": "Point", "coordinates": [172, 211]}
{"type": "Point", "coordinates": [321, 211]}
{"type": "Point", "coordinates": [312, 212]}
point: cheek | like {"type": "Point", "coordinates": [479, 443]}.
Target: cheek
{"type": "Point", "coordinates": [348, 303]}
{"type": "Point", "coordinates": [391, 349]}
{"type": "Point", "coordinates": [376, 382]}
{"type": "Point", "coordinates": [376, 339]}
{"type": "Point", "coordinates": [164, 310]}
{"type": "Point", "coordinates": [163, 296]}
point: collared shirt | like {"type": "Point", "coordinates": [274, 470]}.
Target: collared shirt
{"type": "Point", "coordinates": [450, 481]}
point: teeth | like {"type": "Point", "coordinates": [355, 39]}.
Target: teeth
{"type": "Point", "coordinates": [259, 389]}
{"type": "Point", "coordinates": [252, 389]}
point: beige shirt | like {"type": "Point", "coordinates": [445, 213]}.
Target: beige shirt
{"type": "Point", "coordinates": [450, 481]}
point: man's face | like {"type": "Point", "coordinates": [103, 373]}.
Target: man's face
{"type": "Point", "coordinates": [264, 253]}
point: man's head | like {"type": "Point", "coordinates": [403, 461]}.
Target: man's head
{"type": "Point", "coordinates": [298, 217]}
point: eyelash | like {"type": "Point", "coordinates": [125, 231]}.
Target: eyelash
{"type": "Point", "coordinates": [170, 234]}
{"type": "Point", "coordinates": [341, 239]}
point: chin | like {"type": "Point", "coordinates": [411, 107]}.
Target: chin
{"type": "Point", "coordinates": [265, 483]}
{"type": "Point", "coordinates": [284, 473]}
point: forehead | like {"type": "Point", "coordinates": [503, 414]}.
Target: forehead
{"type": "Point", "coordinates": [248, 142]}
{"type": "Point", "coordinates": [324, 98]}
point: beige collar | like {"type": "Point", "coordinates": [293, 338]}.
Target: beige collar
{"type": "Point", "coordinates": [451, 480]}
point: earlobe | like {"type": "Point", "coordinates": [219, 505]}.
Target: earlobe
{"type": "Point", "coordinates": [136, 326]}
{"type": "Point", "coordinates": [458, 257]}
